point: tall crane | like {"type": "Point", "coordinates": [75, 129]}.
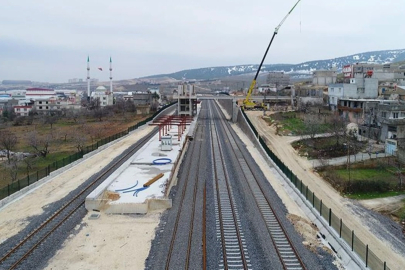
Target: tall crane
{"type": "Point", "coordinates": [247, 102]}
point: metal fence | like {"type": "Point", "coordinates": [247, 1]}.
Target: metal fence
{"type": "Point", "coordinates": [361, 249]}
{"type": "Point", "coordinates": [38, 175]}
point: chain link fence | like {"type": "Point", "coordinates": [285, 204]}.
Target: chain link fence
{"type": "Point", "coordinates": [356, 244]}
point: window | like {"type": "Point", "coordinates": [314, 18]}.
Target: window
{"type": "Point", "coordinates": [402, 114]}
{"type": "Point", "coordinates": [40, 102]}
{"type": "Point", "coordinates": [340, 89]}
{"type": "Point", "coordinates": [47, 107]}
{"type": "Point", "coordinates": [40, 107]}
{"type": "Point", "coordinates": [104, 98]}
{"type": "Point", "coordinates": [25, 109]}
{"type": "Point", "coordinates": [395, 115]}
{"type": "Point", "coordinates": [392, 129]}
{"type": "Point", "coordinates": [332, 89]}
{"type": "Point", "coordinates": [384, 114]}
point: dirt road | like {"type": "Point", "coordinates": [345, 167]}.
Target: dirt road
{"type": "Point", "coordinates": [364, 225]}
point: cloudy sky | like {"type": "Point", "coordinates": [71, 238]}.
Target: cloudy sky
{"type": "Point", "coordinates": [49, 40]}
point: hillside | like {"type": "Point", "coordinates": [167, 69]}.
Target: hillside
{"type": "Point", "coordinates": [295, 70]}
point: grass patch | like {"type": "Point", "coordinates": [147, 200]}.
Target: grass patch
{"type": "Point", "coordinates": [292, 122]}
{"type": "Point", "coordinates": [375, 195]}
{"type": "Point", "coordinates": [366, 173]}
{"type": "Point", "coordinates": [367, 180]}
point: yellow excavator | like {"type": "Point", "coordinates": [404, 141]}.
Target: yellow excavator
{"type": "Point", "coordinates": [248, 103]}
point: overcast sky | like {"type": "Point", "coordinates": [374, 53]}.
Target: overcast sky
{"type": "Point", "coordinates": [49, 40]}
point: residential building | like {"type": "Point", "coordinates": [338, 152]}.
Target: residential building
{"type": "Point", "coordinates": [22, 110]}
{"type": "Point", "coordinates": [324, 77]}
{"type": "Point", "coordinates": [365, 88]}
{"type": "Point", "coordinates": [277, 80]}
{"type": "Point", "coordinates": [391, 117]}
{"type": "Point", "coordinates": [391, 91]}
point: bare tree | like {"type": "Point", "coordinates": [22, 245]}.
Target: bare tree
{"type": "Point", "coordinates": [39, 143]}
{"type": "Point", "coordinates": [94, 104]}
{"type": "Point", "coordinates": [376, 135]}
{"type": "Point", "coordinates": [73, 114]}
{"type": "Point", "coordinates": [95, 132]}
{"type": "Point", "coordinates": [130, 106]}
{"type": "Point", "coordinates": [29, 163]}
{"type": "Point", "coordinates": [80, 141]}
{"type": "Point", "coordinates": [100, 113]}
{"type": "Point", "coordinates": [338, 127]}
{"type": "Point", "coordinates": [312, 126]}
{"type": "Point", "coordinates": [8, 141]}
{"type": "Point", "coordinates": [18, 121]}
{"type": "Point", "coordinates": [50, 119]}
{"type": "Point", "coordinates": [12, 168]}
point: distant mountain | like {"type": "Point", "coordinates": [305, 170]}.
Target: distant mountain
{"type": "Point", "coordinates": [295, 70]}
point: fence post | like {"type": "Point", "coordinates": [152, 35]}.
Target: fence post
{"type": "Point", "coordinates": [366, 255]}
{"type": "Point", "coordinates": [385, 265]}
{"type": "Point", "coordinates": [8, 189]}
{"type": "Point", "coordinates": [306, 193]}
{"type": "Point", "coordinates": [37, 176]}
{"type": "Point", "coordinates": [352, 240]}
{"type": "Point", "coordinates": [340, 229]}
{"type": "Point", "coordinates": [301, 186]}
{"type": "Point", "coordinates": [320, 208]}
{"type": "Point", "coordinates": [19, 187]}
{"type": "Point", "coordinates": [330, 216]}
{"type": "Point", "coordinates": [313, 199]}
{"type": "Point", "coordinates": [28, 176]}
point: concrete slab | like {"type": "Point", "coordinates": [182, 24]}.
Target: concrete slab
{"type": "Point", "coordinates": [123, 192]}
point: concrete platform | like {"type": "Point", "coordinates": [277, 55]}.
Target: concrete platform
{"type": "Point", "coordinates": [123, 191]}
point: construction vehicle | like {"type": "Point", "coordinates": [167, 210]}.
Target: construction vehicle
{"type": "Point", "coordinates": [248, 103]}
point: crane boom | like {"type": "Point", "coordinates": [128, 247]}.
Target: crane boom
{"type": "Point", "coordinates": [247, 103]}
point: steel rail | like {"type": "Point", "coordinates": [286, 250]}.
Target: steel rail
{"type": "Point", "coordinates": [242, 151]}
{"type": "Point", "coordinates": [232, 206]}
{"type": "Point", "coordinates": [204, 234]}
{"type": "Point", "coordinates": [176, 225]}
{"type": "Point", "coordinates": [58, 212]}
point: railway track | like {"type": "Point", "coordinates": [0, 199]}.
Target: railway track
{"type": "Point", "coordinates": [234, 250]}
{"type": "Point", "coordinates": [210, 225]}
{"type": "Point", "coordinates": [188, 193]}
{"type": "Point", "coordinates": [286, 252]}
{"type": "Point", "coordinates": [21, 251]}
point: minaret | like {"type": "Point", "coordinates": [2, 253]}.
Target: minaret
{"type": "Point", "coordinates": [88, 77]}
{"type": "Point", "coordinates": [111, 89]}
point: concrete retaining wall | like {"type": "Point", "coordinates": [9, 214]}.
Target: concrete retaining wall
{"type": "Point", "coordinates": [227, 105]}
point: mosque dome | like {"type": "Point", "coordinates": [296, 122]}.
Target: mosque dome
{"type": "Point", "coordinates": [101, 88]}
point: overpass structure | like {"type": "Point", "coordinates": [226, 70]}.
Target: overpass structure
{"type": "Point", "coordinates": [258, 98]}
